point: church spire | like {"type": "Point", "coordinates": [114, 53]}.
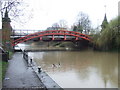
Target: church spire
{"type": "Point", "coordinates": [105, 18]}
{"type": "Point", "coordinates": [105, 22]}
{"type": "Point", "coordinates": [6, 14]}
{"type": "Point", "coordinates": [6, 17]}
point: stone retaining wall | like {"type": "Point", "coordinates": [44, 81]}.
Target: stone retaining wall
{"type": "Point", "coordinates": [42, 75]}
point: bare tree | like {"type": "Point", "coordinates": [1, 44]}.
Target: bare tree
{"type": "Point", "coordinates": [62, 24]}
{"type": "Point", "coordinates": [11, 6]}
{"type": "Point", "coordinates": [55, 26]}
{"type": "Point", "coordinates": [83, 23]}
{"type": "Point", "coordinates": [15, 9]}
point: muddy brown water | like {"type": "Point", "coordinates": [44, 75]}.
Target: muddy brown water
{"type": "Point", "coordinates": [79, 69]}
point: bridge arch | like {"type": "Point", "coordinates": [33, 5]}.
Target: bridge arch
{"type": "Point", "coordinates": [53, 33]}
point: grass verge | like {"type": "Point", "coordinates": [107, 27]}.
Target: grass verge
{"type": "Point", "coordinates": [3, 68]}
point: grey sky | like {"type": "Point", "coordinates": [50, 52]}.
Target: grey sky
{"type": "Point", "coordinates": [47, 12]}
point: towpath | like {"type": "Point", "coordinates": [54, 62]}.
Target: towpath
{"type": "Point", "coordinates": [19, 75]}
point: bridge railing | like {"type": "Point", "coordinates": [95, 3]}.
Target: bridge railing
{"type": "Point", "coordinates": [23, 32]}
{"type": "Point", "coordinates": [52, 33]}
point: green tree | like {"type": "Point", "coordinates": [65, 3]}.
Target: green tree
{"type": "Point", "coordinates": [109, 37]}
{"type": "Point", "coordinates": [74, 28]}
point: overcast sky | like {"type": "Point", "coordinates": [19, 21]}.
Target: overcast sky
{"type": "Point", "coordinates": [47, 12]}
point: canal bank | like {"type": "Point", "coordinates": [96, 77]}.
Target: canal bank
{"type": "Point", "coordinates": [87, 68]}
{"type": "Point", "coordinates": [21, 75]}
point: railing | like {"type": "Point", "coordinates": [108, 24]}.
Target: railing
{"type": "Point", "coordinates": [24, 32]}
{"type": "Point", "coordinates": [52, 33]}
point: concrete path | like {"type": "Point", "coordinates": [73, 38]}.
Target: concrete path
{"type": "Point", "coordinates": [19, 75]}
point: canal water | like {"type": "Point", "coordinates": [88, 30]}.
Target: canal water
{"type": "Point", "coordinates": [79, 69]}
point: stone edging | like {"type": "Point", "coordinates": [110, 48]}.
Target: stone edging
{"type": "Point", "coordinates": [42, 75]}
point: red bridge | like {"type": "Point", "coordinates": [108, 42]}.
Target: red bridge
{"type": "Point", "coordinates": [54, 35]}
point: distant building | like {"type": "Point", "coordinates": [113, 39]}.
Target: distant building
{"type": "Point", "coordinates": [56, 28]}
{"type": "Point", "coordinates": [104, 23]}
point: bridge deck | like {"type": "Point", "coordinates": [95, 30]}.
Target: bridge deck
{"type": "Point", "coordinates": [54, 35]}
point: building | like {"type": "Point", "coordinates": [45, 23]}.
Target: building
{"type": "Point", "coordinates": [104, 23]}
{"type": "Point", "coordinates": [6, 29]}
{"type": "Point", "coordinates": [56, 28]}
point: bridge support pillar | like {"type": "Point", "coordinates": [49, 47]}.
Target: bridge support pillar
{"type": "Point", "coordinates": [65, 37]}
{"type": "Point", "coordinates": [40, 38]}
{"type": "Point", "coordinates": [53, 37]}
{"type": "Point", "coordinates": [76, 38]}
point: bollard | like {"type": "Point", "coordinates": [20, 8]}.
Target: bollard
{"type": "Point", "coordinates": [31, 61]}
{"type": "Point", "coordinates": [23, 50]}
{"type": "Point", "coordinates": [24, 54]}
{"type": "Point", "coordinates": [39, 70]}
{"type": "Point", "coordinates": [26, 57]}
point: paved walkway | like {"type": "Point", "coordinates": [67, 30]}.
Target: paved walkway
{"type": "Point", "coordinates": [19, 75]}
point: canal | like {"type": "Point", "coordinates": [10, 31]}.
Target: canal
{"type": "Point", "coordinates": [78, 69]}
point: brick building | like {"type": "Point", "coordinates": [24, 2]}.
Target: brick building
{"type": "Point", "coordinates": [6, 28]}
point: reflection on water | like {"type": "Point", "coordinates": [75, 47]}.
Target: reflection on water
{"type": "Point", "coordinates": [78, 69]}
{"type": "Point", "coordinates": [83, 69]}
